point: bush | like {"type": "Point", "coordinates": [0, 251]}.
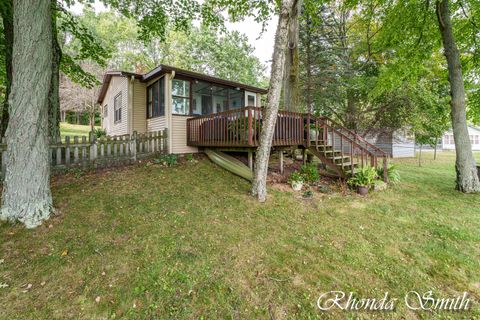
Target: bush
{"type": "Point", "coordinates": [363, 178]}
{"type": "Point", "coordinates": [189, 157]}
{"type": "Point", "coordinates": [167, 160]}
{"type": "Point", "coordinates": [296, 177]}
{"type": "Point", "coordinates": [392, 173]}
{"type": "Point", "coordinates": [99, 133]}
{"type": "Point", "coordinates": [310, 172]}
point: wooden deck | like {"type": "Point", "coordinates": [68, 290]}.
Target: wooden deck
{"type": "Point", "coordinates": [241, 128]}
{"type": "Point", "coordinates": [335, 145]}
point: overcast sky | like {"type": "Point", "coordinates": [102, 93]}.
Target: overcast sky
{"type": "Point", "coordinates": [263, 45]}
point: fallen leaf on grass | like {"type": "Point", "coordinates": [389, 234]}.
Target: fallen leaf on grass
{"type": "Point", "coordinates": [64, 253]}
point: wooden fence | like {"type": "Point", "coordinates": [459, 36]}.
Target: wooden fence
{"type": "Point", "coordinates": [95, 152]}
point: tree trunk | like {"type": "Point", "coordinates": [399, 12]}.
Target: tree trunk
{"type": "Point", "coordinates": [259, 186]}
{"type": "Point", "coordinates": [6, 9]}
{"type": "Point", "coordinates": [291, 77]}
{"type": "Point", "coordinates": [308, 66]}
{"type": "Point", "coordinates": [53, 95]}
{"type": "Point", "coordinates": [26, 193]}
{"type": "Point", "coordinates": [467, 179]}
{"type": "Point", "coordinates": [420, 156]}
{"type": "Point", "coordinates": [435, 150]}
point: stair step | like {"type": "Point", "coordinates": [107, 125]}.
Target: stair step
{"type": "Point", "coordinates": [329, 151]}
{"type": "Point", "coordinates": [349, 164]}
{"type": "Point", "coordinates": [339, 158]}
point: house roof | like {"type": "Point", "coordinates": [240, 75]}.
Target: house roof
{"type": "Point", "coordinates": [161, 69]}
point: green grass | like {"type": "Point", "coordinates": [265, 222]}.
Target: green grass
{"type": "Point", "coordinates": [188, 242]}
{"type": "Point", "coordinates": [67, 129]}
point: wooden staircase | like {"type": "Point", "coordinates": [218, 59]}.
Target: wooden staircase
{"type": "Point", "coordinates": [340, 149]}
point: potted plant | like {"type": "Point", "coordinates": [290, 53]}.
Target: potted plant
{"type": "Point", "coordinates": [363, 179]}
{"type": "Point", "coordinates": [296, 180]}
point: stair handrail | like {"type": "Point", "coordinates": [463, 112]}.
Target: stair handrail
{"type": "Point", "coordinates": [357, 136]}
{"type": "Point", "coordinates": [353, 141]}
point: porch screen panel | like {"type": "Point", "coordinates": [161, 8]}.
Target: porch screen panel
{"type": "Point", "coordinates": [156, 99]}
{"type": "Point", "coordinates": [236, 98]}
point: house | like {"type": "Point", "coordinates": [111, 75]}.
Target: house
{"type": "Point", "coordinates": [448, 143]}
{"type": "Point", "coordinates": [204, 113]}
{"type": "Point", "coordinates": [165, 98]}
{"type": "Point", "coordinates": [399, 143]}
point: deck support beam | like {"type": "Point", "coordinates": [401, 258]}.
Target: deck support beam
{"type": "Point", "coordinates": [280, 160]}
{"type": "Point", "coordinates": [304, 156]}
{"type": "Point", "coordinates": [250, 160]}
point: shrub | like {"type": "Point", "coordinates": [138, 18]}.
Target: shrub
{"type": "Point", "coordinates": [392, 173]}
{"type": "Point", "coordinates": [296, 177]}
{"type": "Point", "coordinates": [310, 172]}
{"type": "Point", "coordinates": [167, 160]}
{"type": "Point", "coordinates": [189, 157]}
{"type": "Point", "coordinates": [99, 132]}
{"type": "Point", "coordinates": [363, 178]}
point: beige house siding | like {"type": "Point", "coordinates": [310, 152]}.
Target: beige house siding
{"type": "Point", "coordinates": [179, 135]}
{"type": "Point", "coordinates": [117, 84]}
{"type": "Point", "coordinates": [156, 124]}
{"type": "Point", "coordinates": [139, 106]}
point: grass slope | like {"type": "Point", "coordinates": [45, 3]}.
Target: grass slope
{"type": "Point", "coordinates": [67, 129]}
{"type": "Point", "coordinates": [189, 243]}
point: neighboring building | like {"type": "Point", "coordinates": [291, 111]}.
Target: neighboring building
{"type": "Point", "coordinates": [448, 143]}
{"type": "Point", "coordinates": [396, 143]}
{"type": "Point", "coordinates": [165, 98]}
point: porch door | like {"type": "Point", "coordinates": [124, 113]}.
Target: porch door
{"type": "Point", "coordinates": [207, 104]}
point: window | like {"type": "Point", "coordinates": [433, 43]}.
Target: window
{"type": "Point", "coordinates": [475, 139]}
{"type": "Point", "coordinates": [117, 106]}
{"type": "Point", "coordinates": [156, 99]}
{"type": "Point", "coordinates": [251, 100]}
{"type": "Point", "coordinates": [449, 139]}
{"type": "Point", "coordinates": [180, 96]}
{"type": "Point", "coordinates": [105, 111]}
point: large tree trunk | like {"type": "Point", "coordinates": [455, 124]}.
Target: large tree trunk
{"type": "Point", "coordinates": [308, 66]}
{"type": "Point", "coordinates": [6, 10]}
{"type": "Point", "coordinates": [291, 77]}
{"type": "Point", "coordinates": [26, 193]}
{"type": "Point", "coordinates": [259, 186]}
{"type": "Point", "coordinates": [467, 179]}
{"type": "Point", "coordinates": [53, 96]}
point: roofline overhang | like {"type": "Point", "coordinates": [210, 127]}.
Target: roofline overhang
{"type": "Point", "coordinates": [162, 69]}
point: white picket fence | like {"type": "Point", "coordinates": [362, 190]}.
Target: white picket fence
{"type": "Point", "coordinates": [95, 152]}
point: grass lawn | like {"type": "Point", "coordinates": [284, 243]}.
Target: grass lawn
{"type": "Point", "coordinates": [188, 242]}
{"type": "Point", "coordinates": [67, 129]}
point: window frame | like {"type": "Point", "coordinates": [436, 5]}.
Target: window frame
{"type": "Point", "coordinates": [160, 111]}
{"type": "Point", "coordinates": [117, 110]}
{"type": "Point", "coordinates": [186, 98]}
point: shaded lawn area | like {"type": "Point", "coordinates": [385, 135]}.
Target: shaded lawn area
{"type": "Point", "coordinates": [67, 129]}
{"type": "Point", "coordinates": [189, 243]}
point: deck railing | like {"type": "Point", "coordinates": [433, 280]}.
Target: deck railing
{"type": "Point", "coordinates": [241, 128]}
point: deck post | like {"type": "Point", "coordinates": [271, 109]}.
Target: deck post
{"type": "Point", "coordinates": [250, 159]}
{"type": "Point", "coordinates": [250, 131]}
{"type": "Point", "coordinates": [280, 158]}
{"type": "Point", "coordinates": [307, 128]}
{"type": "Point", "coordinates": [304, 156]}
